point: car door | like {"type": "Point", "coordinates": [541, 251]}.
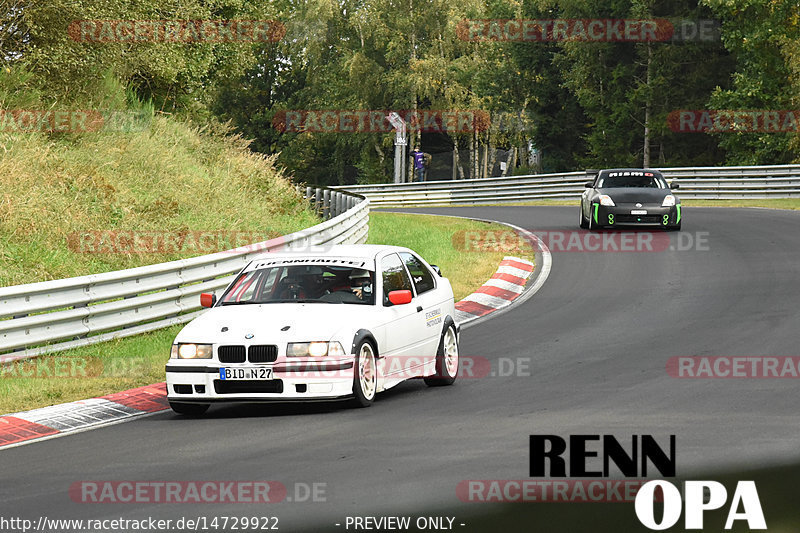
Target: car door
{"type": "Point", "coordinates": [430, 303]}
{"type": "Point", "coordinates": [402, 322]}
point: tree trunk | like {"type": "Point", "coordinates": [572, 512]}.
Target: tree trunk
{"type": "Point", "coordinates": [472, 155]}
{"type": "Point", "coordinates": [492, 157]}
{"type": "Point", "coordinates": [458, 160]}
{"type": "Point", "coordinates": [646, 156]}
{"type": "Point", "coordinates": [484, 169]}
{"type": "Point", "coordinates": [417, 133]}
{"type": "Point", "coordinates": [512, 161]}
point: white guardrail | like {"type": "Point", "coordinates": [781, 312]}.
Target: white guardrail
{"type": "Point", "coordinates": [50, 316]}
{"type": "Point", "coordinates": [777, 181]}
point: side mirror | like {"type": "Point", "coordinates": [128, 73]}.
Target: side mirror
{"type": "Point", "coordinates": [208, 299]}
{"type": "Point", "coordinates": [588, 184]}
{"type": "Point", "coordinates": [674, 186]}
{"type": "Point", "coordinates": [400, 297]}
{"type": "Point", "coordinates": [437, 270]}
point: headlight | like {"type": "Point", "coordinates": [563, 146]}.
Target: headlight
{"type": "Point", "coordinates": [669, 201]}
{"type": "Point", "coordinates": [191, 351]}
{"type": "Point", "coordinates": [606, 200]}
{"type": "Point", "coordinates": [314, 349]}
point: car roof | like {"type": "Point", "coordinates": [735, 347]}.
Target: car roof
{"type": "Point", "coordinates": [363, 252]}
{"type": "Point", "coordinates": [609, 170]}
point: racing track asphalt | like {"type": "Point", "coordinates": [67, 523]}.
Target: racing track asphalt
{"type": "Point", "coordinates": [597, 336]}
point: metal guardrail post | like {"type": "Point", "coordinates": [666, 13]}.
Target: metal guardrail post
{"type": "Point", "coordinates": [339, 203]}
{"type": "Point", "coordinates": [317, 200]}
{"type": "Point", "coordinates": [326, 204]}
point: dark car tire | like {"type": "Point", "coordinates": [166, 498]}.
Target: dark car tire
{"type": "Point", "coordinates": [584, 224]}
{"type": "Point", "coordinates": [365, 374]}
{"type": "Point", "coordinates": [189, 409]}
{"type": "Point", "coordinates": [447, 359]}
{"type": "Point", "coordinates": [676, 227]}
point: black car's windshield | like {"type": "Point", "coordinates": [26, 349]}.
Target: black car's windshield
{"type": "Point", "coordinates": [631, 179]}
{"type": "Point", "coordinates": [331, 284]}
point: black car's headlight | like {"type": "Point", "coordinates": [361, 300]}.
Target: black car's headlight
{"type": "Point", "coordinates": [606, 200]}
{"type": "Point", "coordinates": [191, 351]}
{"type": "Point", "coordinates": [669, 201]}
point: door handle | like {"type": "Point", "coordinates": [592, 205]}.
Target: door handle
{"type": "Point", "coordinates": [419, 308]}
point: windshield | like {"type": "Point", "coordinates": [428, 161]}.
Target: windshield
{"type": "Point", "coordinates": [631, 179]}
{"type": "Point", "coordinates": [302, 284]}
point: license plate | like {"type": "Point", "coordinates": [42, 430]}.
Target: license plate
{"type": "Point", "coordinates": [638, 212]}
{"type": "Point", "coordinates": [248, 373]}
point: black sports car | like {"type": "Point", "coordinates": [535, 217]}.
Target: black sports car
{"type": "Point", "coordinates": [620, 197]}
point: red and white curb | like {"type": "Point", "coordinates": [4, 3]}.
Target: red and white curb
{"type": "Point", "coordinates": [505, 286]}
{"type": "Point", "coordinates": [73, 417]}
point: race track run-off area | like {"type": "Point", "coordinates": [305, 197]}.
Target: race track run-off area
{"type": "Point", "coordinates": [589, 353]}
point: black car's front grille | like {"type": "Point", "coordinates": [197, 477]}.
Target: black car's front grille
{"type": "Point", "coordinates": [262, 353]}
{"type": "Point", "coordinates": [231, 354]}
{"type": "Point", "coordinates": [274, 386]}
{"type": "Point", "coordinates": [634, 219]}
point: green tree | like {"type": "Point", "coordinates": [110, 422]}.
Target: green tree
{"type": "Point", "coordinates": [763, 36]}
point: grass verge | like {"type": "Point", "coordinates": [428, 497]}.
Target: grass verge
{"type": "Point", "coordinates": [771, 203]}
{"type": "Point", "coordinates": [121, 364]}
{"type": "Point", "coordinates": [449, 243]}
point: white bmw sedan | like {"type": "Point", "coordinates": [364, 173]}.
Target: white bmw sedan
{"type": "Point", "coordinates": [347, 323]}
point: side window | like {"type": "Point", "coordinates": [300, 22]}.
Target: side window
{"type": "Point", "coordinates": [394, 276]}
{"type": "Point", "coordinates": [423, 279]}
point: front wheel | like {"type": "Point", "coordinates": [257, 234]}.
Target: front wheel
{"type": "Point", "coordinates": [365, 375]}
{"type": "Point", "coordinates": [446, 360]}
{"type": "Point", "coordinates": [189, 409]}
{"type": "Point", "coordinates": [591, 224]}
{"type": "Point", "coordinates": [583, 222]}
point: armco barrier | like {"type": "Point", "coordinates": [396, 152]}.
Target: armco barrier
{"type": "Point", "coordinates": [777, 181]}
{"type": "Point", "coordinates": [49, 316]}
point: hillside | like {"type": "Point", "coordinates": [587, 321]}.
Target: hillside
{"type": "Point", "coordinates": [92, 201]}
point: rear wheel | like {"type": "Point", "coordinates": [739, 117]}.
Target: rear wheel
{"type": "Point", "coordinates": [365, 375]}
{"type": "Point", "coordinates": [446, 359]}
{"type": "Point", "coordinates": [189, 409]}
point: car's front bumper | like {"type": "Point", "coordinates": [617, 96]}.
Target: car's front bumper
{"type": "Point", "coordinates": [198, 383]}
{"type": "Point", "coordinates": [629, 214]}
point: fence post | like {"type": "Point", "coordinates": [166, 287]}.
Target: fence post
{"type": "Point", "coordinates": [317, 200]}
{"type": "Point", "coordinates": [326, 204]}
{"type": "Point", "coordinates": [337, 196]}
